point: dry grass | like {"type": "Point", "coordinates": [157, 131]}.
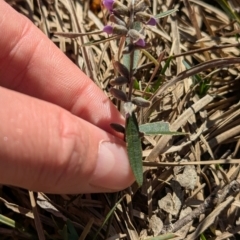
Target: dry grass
{"type": "Point", "coordinates": [202, 101]}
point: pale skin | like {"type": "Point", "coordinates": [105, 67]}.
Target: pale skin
{"type": "Point", "coordinates": [53, 118]}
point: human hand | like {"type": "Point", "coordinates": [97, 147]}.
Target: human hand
{"type": "Point", "coordinates": [53, 118]}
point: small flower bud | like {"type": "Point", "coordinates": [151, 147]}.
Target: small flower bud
{"type": "Point", "coordinates": [108, 4]}
{"type": "Point", "coordinates": [113, 18]}
{"type": "Point", "coordinates": [146, 18]}
{"type": "Point", "coordinates": [115, 29]}
{"type": "Point", "coordinates": [122, 69]}
{"type": "Point", "coordinates": [152, 21]}
{"type": "Point", "coordinates": [137, 37]}
{"type": "Point", "coordinates": [116, 7]}
{"type": "Point", "coordinates": [142, 6]}
{"type": "Point", "coordinates": [108, 29]}
{"type": "Point", "coordinates": [118, 94]}
{"type": "Point", "coordinates": [120, 9]}
{"type": "Point", "coordinates": [140, 43]}
{"type": "Point", "coordinates": [119, 81]}
{"type": "Point", "coordinates": [141, 102]}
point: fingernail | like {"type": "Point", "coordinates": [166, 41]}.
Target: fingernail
{"type": "Point", "coordinates": [112, 169]}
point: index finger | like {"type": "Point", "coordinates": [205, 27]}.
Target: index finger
{"type": "Point", "coordinates": [30, 63]}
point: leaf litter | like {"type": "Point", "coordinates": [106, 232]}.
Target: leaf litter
{"type": "Point", "coordinates": [201, 195]}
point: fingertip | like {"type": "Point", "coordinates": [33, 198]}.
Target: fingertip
{"type": "Point", "coordinates": [112, 168]}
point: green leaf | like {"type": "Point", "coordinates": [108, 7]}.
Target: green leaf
{"type": "Point", "coordinates": [229, 11]}
{"type": "Point", "coordinates": [164, 14]}
{"type": "Point", "coordinates": [68, 232]}
{"type": "Point", "coordinates": [136, 84]}
{"type": "Point", "coordinates": [159, 81]}
{"type": "Point", "coordinates": [126, 57]}
{"type": "Point", "coordinates": [196, 78]}
{"type": "Point", "coordinates": [166, 65]}
{"type": "Point", "coordinates": [163, 237]}
{"type": "Point", "coordinates": [202, 237]}
{"type": "Point", "coordinates": [157, 128]}
{"type": "Point", "coordinates": [72, 233]}
{"type": "Point", "coordinates": [203, 83]}
{"type": "Point", "coordinates": [134, 147]}
{"type": "Point", "coordinates": [64, 232]}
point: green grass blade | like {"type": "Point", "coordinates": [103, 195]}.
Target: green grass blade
{"type": "Point", "coordinates": [7, 221]}
{"type": "Point", "coordinates": [72, 233]}
{"type": "Point", "coordinates": [166, 65]}
{"type": "Point", "coordinates": [107, 217]}
{"type": "Point", "coordinates": [203, 83]}
{"type": "Point", "coordinates": [159, 81]}
{"type": "Point", "coordinates": [13, 224]}
{"type": "Point", "coordinates": [229, 11]}
{"type": "Point", "coordinates": [202, 237]}
{"type": "Point", "coordinates": [163, 237]}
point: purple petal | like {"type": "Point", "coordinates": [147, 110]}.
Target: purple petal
{"type": "Point", "coordinates": [108, 29]}
{"type": "Point", "coordinates": [140, 42]}
{"type": "Point", "coordinates": [152, 21]}
{"type": "Point", "coordinates": [108, 4]}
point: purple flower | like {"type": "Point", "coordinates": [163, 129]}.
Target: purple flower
{"type": "Point", "coordinates": [140, 42]}
{"type": "Point", "coordinates": [108, 4]}
{"type": "Point", "coordinates": [115, 29]}
{"type": "Point", "coordinates": [146, 18]}
{"type": "Point", "coordinates": [108, 29]}
{"type": "Point", "coordinates": [137, 37]}
{"type": "Point", "coordinates": [152, 21]}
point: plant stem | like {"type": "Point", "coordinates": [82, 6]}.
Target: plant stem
{"type": "Point", "coordinates": [131, 79]}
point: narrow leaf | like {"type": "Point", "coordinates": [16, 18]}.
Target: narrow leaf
{"type": "Point", "coordinates": [64, 232]}
{"type": "Point", "coordinates": [157, 84]}
{"type": "Point", "coordinates": [134, 147]}
{"type": "Point", "coordinates": [17, 226]}
{"type": "Point", "coordinates": [7, 221]}
{"type": "Point", "coordinates": [167, 236]}
{"type": "Point", "coordinates": [72, 233]}
{"type": "Point", "coordinates": [165, 14]}
{"type": "Point", "coordinates": [107, 217]}
{"type": "Point", "coordinates": [157, 128]}
{"type": "Point", "coordinates": [166, 65]}
{"type": "Point", "coordinates": [228, 10]}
